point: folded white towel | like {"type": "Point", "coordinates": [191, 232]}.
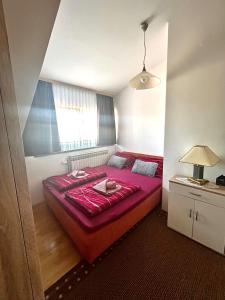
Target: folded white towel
{"type": "Point", "coordinates": [77, 174]}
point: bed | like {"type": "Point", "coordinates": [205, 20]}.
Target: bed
{"type": "Point", "coordinates": [94, 235]}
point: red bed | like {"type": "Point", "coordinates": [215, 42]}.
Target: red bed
{"type": "Point", "coordinates": [92, 235]}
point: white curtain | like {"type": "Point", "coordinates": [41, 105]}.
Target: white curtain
{"type": "Point", "coordinates": [76, 111]}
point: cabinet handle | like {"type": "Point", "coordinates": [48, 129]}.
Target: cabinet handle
{"type": "Point", "coordinates": [190, 213]}
{"type": "Point", "coordinates": [194, 194]}
{"type": "Point", "coordinates": [196, 216]}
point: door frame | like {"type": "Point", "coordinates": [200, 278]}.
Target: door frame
{"type": "Point", "coordinates": [20, 275]}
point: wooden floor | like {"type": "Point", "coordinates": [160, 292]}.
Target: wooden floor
{"type": "Point", "coordinates": [57, 253]}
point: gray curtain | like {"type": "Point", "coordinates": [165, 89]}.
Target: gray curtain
{"type": "Point", "coordinates": [41, 135]}
{"type": "Point", "coordinates": [106, 121]}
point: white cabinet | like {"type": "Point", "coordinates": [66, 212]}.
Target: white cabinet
{"type": "Point", "coordinates": [198, 213]}
{"type": "Point", "coordinates": [209, 226]}
{"type": "Point", "coordinates": [181, 211]}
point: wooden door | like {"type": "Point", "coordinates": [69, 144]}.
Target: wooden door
{"type": "Point", "coordinates": [19, 264]}
{"type": "Point", "coordinates": [209, 226]}
{"type": "Point", "coordinates": [180, 213]}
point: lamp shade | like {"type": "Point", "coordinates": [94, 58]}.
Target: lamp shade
{"type": "Point", "coordinates": [144, 80]}
{"type": "Point", "coordinates": [200, 155]}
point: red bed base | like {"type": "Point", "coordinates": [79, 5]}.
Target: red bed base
{"type": "Point", "coordinates": [92, 244]}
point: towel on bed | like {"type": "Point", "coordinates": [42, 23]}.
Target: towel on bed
{"type": "Point", "coordinates": [64, 182]}
{"type": "Point", "coordinates": [107, 187]}
{"type": "Point", "coordinates": [77, 174]}
{"type": "Point", "coordinates": [92, 203]}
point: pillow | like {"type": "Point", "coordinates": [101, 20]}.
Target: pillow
{"type": "Point", "coordinates": [145, 168]}
{"type": "Point", "coordinates": [116, 161]}
{"type": "Point", "coordinates": [130, 159]}
{"type": "Point", "coordinates": [155, 159]}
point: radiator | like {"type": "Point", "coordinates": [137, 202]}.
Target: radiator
{"type": "Point", "coordinates": [88, 159]}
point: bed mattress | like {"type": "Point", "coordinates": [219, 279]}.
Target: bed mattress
{"type": "Point", "coordinates": [90, 224]}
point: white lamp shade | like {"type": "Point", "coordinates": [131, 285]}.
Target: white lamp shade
{"type": "Point", "coordinates": [200, 155]}
{"type": "Point", "coordinates": [144, 80]}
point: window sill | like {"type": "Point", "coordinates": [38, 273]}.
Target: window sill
{"type": "Point", "coordinates": [70, 151]}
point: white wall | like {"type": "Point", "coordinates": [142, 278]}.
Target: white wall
{"type": "Point", "coordinates": [141, 113]}
{"type": "Point", "coordinates": [29, 26]}
{"type": "Point", "coordinates": [39, 168]}
{"type": "Point", "coordinates": [195, 106]}
{"type": "Point", "coordinates": [141, 117]}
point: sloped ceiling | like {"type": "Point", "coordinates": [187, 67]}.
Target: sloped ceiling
{"type": "Point", "coordinates": [29, 25]}
{"type": "Point", "coordinates": [99, 44]}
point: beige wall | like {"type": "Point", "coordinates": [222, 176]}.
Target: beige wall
{"type": "Point", "coordinates": [29, 25]}
{"type": "Point", "coordinates": [195, 105]}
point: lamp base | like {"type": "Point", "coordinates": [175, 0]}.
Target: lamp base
{"type": "Point", "coordinates": [198, 181]}
{"type": "Point", "coordinates": [198, 172]}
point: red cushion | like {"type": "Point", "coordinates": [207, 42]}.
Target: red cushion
{"type": "Point", "coordinates": [133, 156]}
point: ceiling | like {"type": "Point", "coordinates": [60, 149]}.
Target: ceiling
{"type": "Point", "coordinates": [99, 44]}
{"type": "Point", "coordinates": [107, 42]}
{"type": "Point", "coordinates": [28, 37]}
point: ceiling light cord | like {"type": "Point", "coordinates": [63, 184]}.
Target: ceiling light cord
{"type": "Point", "coordinates": [145, 50]}
{"type": "Point", "coordinates": [144, 80]}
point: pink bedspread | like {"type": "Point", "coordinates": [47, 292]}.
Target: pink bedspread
{"type": "Point", "coordinates": [63, 182]}
{"type": "Point", "coordinates": [148, 186]}
{"type": "Point", "coordinates": [93, 203]}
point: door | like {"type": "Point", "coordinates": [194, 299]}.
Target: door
{"type": "Point", "coordinates": [180, 213]}
{"type": "Point", "coordinates": [209, 226]}
{"type": "Point", "coordinates": [19, 265]}
{"type": "Point", "coordinates": [10, 228]}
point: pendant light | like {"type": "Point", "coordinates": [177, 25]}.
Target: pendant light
{"type": "Point", "coordinates": [144, 80]}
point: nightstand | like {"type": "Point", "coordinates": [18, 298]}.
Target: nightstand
{"type": "Point", "coordinates": [198, 212]}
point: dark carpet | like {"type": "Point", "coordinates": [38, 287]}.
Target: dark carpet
{"type": "Point", "coordinates": [151, 262]}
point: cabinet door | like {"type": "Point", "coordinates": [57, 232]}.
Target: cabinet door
{"type": "Point", "coordinates": [180, 213]}
{"type": "Point", "coordinates": [209, 226]}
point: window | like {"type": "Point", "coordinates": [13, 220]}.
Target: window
{"type": "Point", "coordinates": [66, 118]}
{"type": "Point", "coordinates": [76, 112]}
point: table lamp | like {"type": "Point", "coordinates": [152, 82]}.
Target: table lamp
{"type": "Point", "coordinates": [200, 156]}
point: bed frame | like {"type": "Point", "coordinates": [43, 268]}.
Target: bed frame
{"type": "Point", "coordinates": [92, 244]}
